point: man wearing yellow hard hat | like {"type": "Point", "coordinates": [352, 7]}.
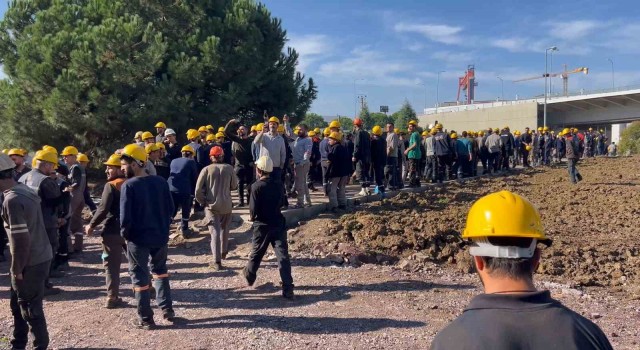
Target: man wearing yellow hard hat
{"type": "Point", "coordinates": [108, 214]}
{"type": "Point", "coordinates": [160, 129]}
{"type": "Point", "coordinates": [83, 160]}
{"type": "Point", "coordinates": [526, 142]}
{"type": "Point", "coordinates": [145, 217]}
{"type": "Point", "coordinates": [182, 183]}
{"type": "Point", "coordinates": [572, 149]}
{"type": "Point", "coordinates": [77, 182]}
{"type": "Point", "coordinates": [18, 157]}
{"type": "Point", "coordinates": [504, 230]}
{"type": "Point", "coordinates": [272, 144]}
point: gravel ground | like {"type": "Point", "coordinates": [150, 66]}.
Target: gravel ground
{"type": "Point", "coordinates": [336, 306]}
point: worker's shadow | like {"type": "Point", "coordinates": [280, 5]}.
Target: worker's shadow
{"type": "Point", "coordinates": [297, 324]}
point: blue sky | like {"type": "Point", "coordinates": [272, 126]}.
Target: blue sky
{"type": "Point", "coordinates": [397, 45]}
{"type": "Point", "coordinates": [395, 48]}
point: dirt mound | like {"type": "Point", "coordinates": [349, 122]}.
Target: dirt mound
{"type": "Point", "coordinates": [592, 224]}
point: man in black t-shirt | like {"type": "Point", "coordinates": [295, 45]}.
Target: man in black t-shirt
{"type": "Point", "coordinates": [512, 313]}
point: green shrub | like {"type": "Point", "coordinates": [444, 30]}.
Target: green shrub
{"type": "Point", "coordinates": [630, 139]}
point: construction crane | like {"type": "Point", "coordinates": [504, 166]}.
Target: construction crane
{"type": "Point", "coordinates": [564, 75]}
{"type": "Point", "coordinates": [468, 84]}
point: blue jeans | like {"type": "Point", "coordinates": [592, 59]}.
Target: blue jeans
{"type": "Point", "coordinates": [182, 202]}
{"type": "Point", "coordinates": [573, 171]}
{"type": "Point", "coordinates": [138, 257]}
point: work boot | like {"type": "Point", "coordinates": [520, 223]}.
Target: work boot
{"type": "Point", "coordinates": [168, 314]}
{"type": "Point", "coordinates": [240, 205]}
{"type": "Point", "coordinates": [224, 255]}
{"type": "Point", "coordinates": [186, 233]}
{"type": "Point", "coordinates": [114, 303]}
{"type": "Point", "coordinates": [579, 177]}
{"type": "Point", "coordinates": [287, 292]}
{"type": "Point", "coordinates": [250, 280]}
{"type": "Point", "coordinates": [146, 325]}
{"type": "Point", "coordinates": [363, 192]}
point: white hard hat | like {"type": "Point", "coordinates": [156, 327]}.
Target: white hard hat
{"type": "Point", "coordinates": [169, 132]}
{"type": "Point", "coordinates": [6, 163]}
{"type": "Point", "coordinates": [430, 126]}
{"type": "Point", "coordinates": [265, 164]}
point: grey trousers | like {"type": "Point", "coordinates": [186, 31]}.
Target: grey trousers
{"type": "Point", "coordinates": [219, 231]}
{"type": "Point", "coordinates": [337, 191]}
{"type": "Point", "coordinates": [112, 254]}
{"type": "Point", "coordinates": [301, 172]}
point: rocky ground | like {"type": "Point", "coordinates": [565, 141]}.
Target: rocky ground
{"type": "Point", "coordinates": [388, 275]}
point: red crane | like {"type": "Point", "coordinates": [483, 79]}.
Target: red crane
{"type": "Point", "coordinates": [468, 84]}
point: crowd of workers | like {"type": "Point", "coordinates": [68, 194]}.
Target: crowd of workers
{"type": "Point", "coordinates": [154, 178]}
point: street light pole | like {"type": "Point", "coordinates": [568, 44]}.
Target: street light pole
{"type": "Point", "coordinates": [355, 98]}
{"type": "Point", "coordinates": [438, 91]}
{"type": "Point", "coordinates": [502, 88]}
{"type": "Point", "coordinates": [546, 77]}
{"type": "Point", "coordinates": [613, 80]}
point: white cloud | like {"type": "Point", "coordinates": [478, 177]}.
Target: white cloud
{"type": "Point", "coordinates": [510, 44]}
{"type": "Point", "coordinates": [436, 32]}
{"type": "Point", "coordinates": [371, 65]}
{"type": "Point", "coordinates": [415, 47]}
{"type": "Point", "coordinates": [573, 30]}
{"type": "Point", "coordinates": [453, 58]}
{"type": "Point", "coordinates": [310, 48]}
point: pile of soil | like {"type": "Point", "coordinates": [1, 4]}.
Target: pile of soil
{"type": "Point", "coordinates": [593, 224]}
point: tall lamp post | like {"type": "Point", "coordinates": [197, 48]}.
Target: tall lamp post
{"type": "Point", "coordinates": [425, 95]}
{"type": "Point", "coordinates": [613, 80]}
{"type": "Point", "coordinates": [546, 77]}
{"type": "Point", "coordinates": [355, 98]}
{"type": "Point", "coordinates": [501, 87]}
{"type": "Point", "coordinates": [438, 91]}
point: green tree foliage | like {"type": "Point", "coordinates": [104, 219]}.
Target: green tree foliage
{"type": "Point", "coordinates": [92, 72]}
{"type": "Point", "coordinates": [404, 115]}
{"type": "Point", "coordinates": [381, 119]}
{"type": "Point", "coordinates": [630, 139]}
{"type": "Point", "coordinates": [314, 120]}
{"type": "Point", "coordinates": [365, 115]}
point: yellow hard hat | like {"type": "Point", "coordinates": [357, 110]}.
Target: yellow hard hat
{"type": "Point", "coordinates": [114, 160]}
{"type": "Point", "coordinates": [253, 128]}
{"type": "Point", "coordinates": [192, 134]}
{"type": "Point", "coordinates": [601, 130]}
{"type": "Point", "coordinates": [211, 137]}
{"type": "Point", "coordinates": [46, 156]}
{"type": "Point", "coordinates": [50, 148]}
{"type": "Point", "coordinates": [69, 151]}
{"type": "Point", "coordinates": [138, 134]}
{"type": "Point", "coordinates": [16, 152]}
{"type": "Point", "coordinates": [312, 133]}
{"type": "Point", "coordinates": [481, 132]}
{"type": "Point", "coordinates": [546, 128]}
{"type": "Point", "coordinates": [433, 131]}
{"type": "Point", "coordinates": [280, 128]}
{"type": "Point", "coordinates": [503, 214]}
{"type": "Point", "coordinates": [425, 133]}
{"type": "Point", "coordinates": [160, 125]}
{"type": "Point", "coordinates": [327, 131]}
{"type": "Point", "coordinates": [134, 151]}
{"type": "Point", "coordinates": [260, 127]}
{"type": "Point", "coordinates": [438, 126]}
{"type": "Point", "coordinates": [454, 135]}
{"type": "Point", "coordinates": [83, 158]}
{"type": "Point", "coordinates": [496, 130]}
{"type": "Point", "coordinates": [220, 135]}
{"type": "Point", "coordinates": [336, 135]}
{"type": "Point", "coordinates": [539, 128]}
{"type": "Point", "coordinates": [152, 147]}
{"type": "Point", "coordinates": [335, 124]}
{"type": "Point", "coordinates": [221, 129]}
{"type": "Point", "coordinates": [565, 131]}
{"type": "Point", "coordinates": [5, 151]}
{"type": "Point", "coordinates": [274, 120]}
{"type": "Point", "coordinates": [161, 145]}
{"type": "Point", "coordinates": [203, 129]}
{"type": "Point", "coordinates": [590, 129]}
{"type": "Point", "coordinates": [413, 122]}
{"type": "Point", "coordinates": [147, 135]}
{"type": "Point", "coordinates": [210, 127]}
{"type": "Point", "coordinates": [316, 130]}
{"type": "Point", "coordinates": [377, 130]}
{"type": "Point", "coordinates": [396, 131]}
{"type": "Point", "coordinates": [188, 148]}
{"type": "Point", "coordinates": [528, 147]}
{"type": "Point", "coordinates": [516, 133]}
{"type": "Point", "coordinates": [506, 127]}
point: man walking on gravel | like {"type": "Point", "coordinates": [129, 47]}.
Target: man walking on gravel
{"type": "Point", "coordinates": [512, 313]}
{"type": "Point", "coordinates": [268, 227]}
{"type": "Point", "coordinates": [145, 215]}
{"type": "Point", "coordinates": [30, 258]}
{"type": "Point", "coordinates": [572, 149]}
{"type": "Point", "coordinates": [108, 213]}
{"type": "Point", "coordinates": [213, 191]}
